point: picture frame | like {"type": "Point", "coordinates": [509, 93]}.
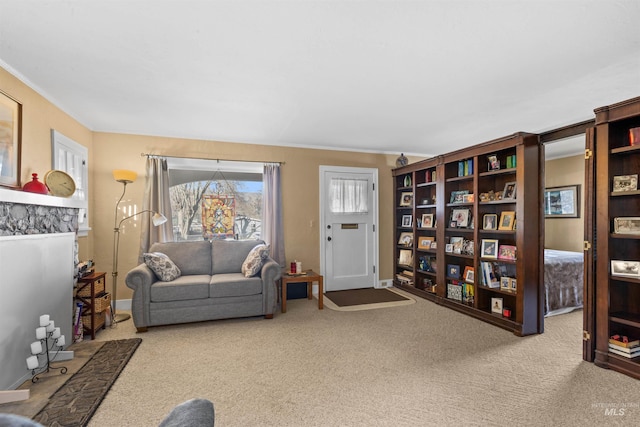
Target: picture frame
{"type": "Point", "coordinates": [509, 191]}
{"type": "Point", "coordinates": [490, 222]}
{"type": "Point", "coordinates": [626, 225]}
{"type": "Point", "coordinates": [405, 239]}
{"type": "Point", "coordinates": [504, 283]}
{"type": "Point", "coordinates": [625, 268]}
{"type": "Point", "coordinates": [405, 257]}
{"type": "Point", "coordinates": [562, 202]}
{"type": "Point", "coordinates": [406, 198]}
{"type": "Point", "coordinates": [453, 271]}
{"type": "Point", "coordinates": [496, 306]}
{"type": "Point", "coordinates": [493, 162]}
{"type": "Point", "coordinates": [457, 243]}
{"type": "Point", "coordinates": [467, 198]}
{"type": "Point", "coordinates": [622, 183]}
{"type": "Point", "coordinates": [461, 217]}
{"type": "Point", "coordinates": [448, 248]}
{"type": "Point", "coordinates": [507, 219]}
{"type": "Point", "coordinates": [427, 220]}
{"type": "Point", "coordinates": [469, 274]}
{"type": "Point", "coordinates": [424, 242]}
{"type": "Point", "coordinates": [513, 285]}
{"type": "Point", "coordinates": [407, 221]}
{"type": "Point", "coordinates": [507, 252]}
{"type": "Point", "coordinates": [10, 141]}
{"type": "Point", "coordinates": [458, 196]}
{"type": "Point", "coordinates": [489, 248]}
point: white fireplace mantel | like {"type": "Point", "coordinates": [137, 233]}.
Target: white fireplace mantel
{"type": "Point", "coordinates": [26, 198]}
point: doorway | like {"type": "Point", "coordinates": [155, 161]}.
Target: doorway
{"type": "Point", "coordinates": [348, 227]}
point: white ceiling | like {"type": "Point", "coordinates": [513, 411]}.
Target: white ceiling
{"type": "Point", "coordinates": [419, 77]}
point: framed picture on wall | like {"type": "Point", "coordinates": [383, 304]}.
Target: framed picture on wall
{"type": "Point", "coordinates": [562, 202]}
{"type": "Point", "coordinates": [10, 140]}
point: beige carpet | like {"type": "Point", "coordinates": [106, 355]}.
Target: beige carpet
{"type": "Point", "coordinates": [415, 365]}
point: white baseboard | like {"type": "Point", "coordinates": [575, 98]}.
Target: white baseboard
{"type": "Point", "coordinates": [123, 304]}
{"type": "Point", "coordinates": [384, 284]}
{"type": "Point", "coordinates": [13, 395]}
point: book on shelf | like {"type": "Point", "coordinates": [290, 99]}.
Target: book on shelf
{"type": "Point", "coordinates": [628, 344]}
{"type": "Point", "coordinates": [631, 354]}
{"type": "Point", "coordinates": [404, 279]}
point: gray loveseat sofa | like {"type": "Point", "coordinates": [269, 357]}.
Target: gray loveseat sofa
{"type": "Point", "coordinates": [211, 285]}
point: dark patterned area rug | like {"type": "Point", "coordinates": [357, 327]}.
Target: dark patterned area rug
{"type": "Point", "coordinates": [365, 299]}
{"type": "Point", "coordinates": [76, 401]}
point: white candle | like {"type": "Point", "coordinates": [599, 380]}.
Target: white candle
{"type": "Point", "coordinates": [44, 320]}
{"type": "Point", "coordinates": [298, 267]}
{"type": "Point", "coordinates": [51, 326]}
{"type": "Point", "coordinates": [36, 347]}
{"type": "Point", "coordinates": [41, 333]}
{"type": "Point", "coordinates": [32, 362]}
{"type": "Point", "coordinates": [60, 341]}
{"type": "Point", "coordinates": [56, 333]}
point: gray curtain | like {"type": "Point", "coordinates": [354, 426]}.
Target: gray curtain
{"type": "Point", "coordinates": [156, 199]}
{"type": "Point", "coordinates": [272, 224]}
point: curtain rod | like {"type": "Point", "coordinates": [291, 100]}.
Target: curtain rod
{"type": "Point", "coordinates": [207, 158]}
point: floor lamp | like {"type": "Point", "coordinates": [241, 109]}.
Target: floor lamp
{"type": "Point", "coordinates": [125, 177]}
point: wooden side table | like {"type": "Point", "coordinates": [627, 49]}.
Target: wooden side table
{"type": "Point", "coordinates": [308, 277]}
{"type": "Point", "coordinates": [89, 289]}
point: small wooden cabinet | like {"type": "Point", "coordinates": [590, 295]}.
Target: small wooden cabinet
{"type": "Point", "coordinates": [91, 292]}
{"type": "Point", "coordinates": [617, 224]}
{"type": "Point", "coordinates": [471, 214]}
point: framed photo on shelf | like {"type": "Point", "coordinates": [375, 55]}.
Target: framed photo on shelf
{"type": "Point", "coordinates": [507, 252]}
{"type": "Point", "coordinates": [424, 242]}
{"type": "Point", "coordinates": [405, 239]}
{"type": "Point", "coordinates": [427, 220]}
{"type": "Point", "coordinates": [469, 274]}
{"type": "Point", "coordinates": [406, 199]}
{"type": "Point", "coordinates": [448, 248]}
{"type": "Point", "coordinates": [453, 271]}
{"type": "Point", "coordinates": [623, 183]}
{"type": "Point", "coordinates": [10, 141]}
{"type": "Point", "coordinates": [493, 162]}
{"type": "Point", "coordinates": [467, 198]}
{"type": "Point", "coordinates": [490, 222]}
{"type": "Point", "coordinates": [489, 248]}
{"type": "Point", "coordinates": [496, 305]}
{"type": "Point", "coordinates": [458, 196]}
{"type": "Point", "coordinates": [504, 283]}
{"type": "Point", "coordinates": [513, 285]}
{"type": "Point", "coordinates": [626, 225]}
{"type": "Point", "coordinates": [625, 268]}
{"type": "Point", "coordinates": [562, 202]}
{"type": "Point", "coordinates": [457, 243]}
{"type": "Point", "coordinates": [509, 192]}
{"type": "Point", "coordinates": [507, 219]}
{"type": "Point", "coordinates": [405, 257]}
{"type": "Point", "coordinates": [462, 217]}
{"type": "Point", "coordinates": [407, 221]}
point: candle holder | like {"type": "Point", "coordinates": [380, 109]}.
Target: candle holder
{"type": "Point", "coordinates": [50, 343]}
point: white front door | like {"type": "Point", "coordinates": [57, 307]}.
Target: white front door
{"type": "Point", "coordinates": [348, 220]}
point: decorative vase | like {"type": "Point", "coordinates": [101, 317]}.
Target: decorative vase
{"type": "Point", "coordinates": [402, 160]}
{"type": "Point", "coordinates": [35, 186]}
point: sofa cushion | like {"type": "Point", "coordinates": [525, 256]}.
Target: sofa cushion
{"type": "Point", "coordinates": [254, 260]}
{"type": "Point", "coordinates": [228, 255]}
{"type": "Point", "coordinates": [162, 265]}
{"type": "Point", "coordinates": [183, 288]}
{"type": "Point", "coordinates": [234, 285]}
{"type": "Point", "coordinates": [190, 257]}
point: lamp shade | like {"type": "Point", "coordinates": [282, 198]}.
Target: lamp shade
{"type": "Point", "coordinates": [158, 219]}
{"type": "Point", "coordinates": [123, 175]}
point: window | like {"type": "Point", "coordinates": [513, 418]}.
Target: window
{"type": "Point", "coordinates": [213, 199]}
{"type": "Point", "coordinates": [71, 157]}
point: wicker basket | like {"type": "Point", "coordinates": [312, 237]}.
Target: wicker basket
{"type": "Point", "coordinates": [99, 318]}
{"type": "Point", "coordinates": [102, 302]}
{"type": "Point", "coordinates": [86, 291]}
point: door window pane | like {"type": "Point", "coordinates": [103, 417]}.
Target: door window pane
{"type": "Point", "coordinates": [348, 196]}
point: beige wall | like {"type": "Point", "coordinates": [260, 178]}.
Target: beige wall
{"type": "Point", "coordinates": [565, 233]}
{"type": "Point", "coordinates": [39, 116]}
{"type": "Point", "coordinates": [300, 185]}
{"type": "Point", "coordinates": [300, 188]}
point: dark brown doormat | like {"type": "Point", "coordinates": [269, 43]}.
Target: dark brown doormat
{"type": "Point", "coordinates": [76, 401]}
{"type": "Point", "coordinates": [352, 297]}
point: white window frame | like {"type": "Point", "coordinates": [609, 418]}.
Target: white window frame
{"type": "Point", "coordinates": [73, 158]}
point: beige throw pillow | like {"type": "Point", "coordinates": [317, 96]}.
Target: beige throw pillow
{"type": "Point", "coordinates": [253, 263]}
{"type": "Point", "coordinates": [162, 265]}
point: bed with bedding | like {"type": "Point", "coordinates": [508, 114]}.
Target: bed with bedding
{"type": "Point", "coordinates": [563, 281]}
